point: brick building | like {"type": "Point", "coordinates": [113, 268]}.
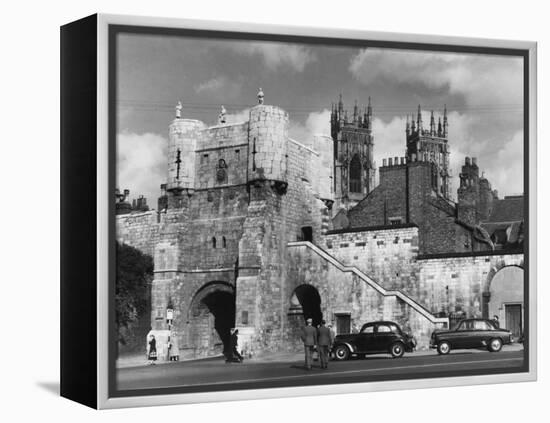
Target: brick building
{"type": "Point", "coordinates": [257, 231]}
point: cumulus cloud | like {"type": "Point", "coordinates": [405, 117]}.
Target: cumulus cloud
{"type": "Point", "coordinates": [242, 116]}
{"type": "Point", "coordinates": [508, 178]}
{"type": "Point", "coordinates": [218, 84]}
{"type": "Point", "coordinates": [141, 164]}
{"type": "Point", "coordinates": [482, 80]}
{"type": "Point", "coordinates": [278, 55]}
{"type": "Point", "coordinates": [315, 123]}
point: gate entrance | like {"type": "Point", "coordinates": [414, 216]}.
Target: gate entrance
{"type": "Point", "coordinates": [211, 317]}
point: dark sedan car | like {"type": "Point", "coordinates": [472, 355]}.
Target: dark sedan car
{"type": "Point", "coordinates": [374, 338]}
{"type": "Point", "coordinates": [471, 333]}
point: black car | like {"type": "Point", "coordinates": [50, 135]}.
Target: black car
{"type": "Point", "coordinates": [374, 338]}
{"type": "Point", "coordinates": [471, 333]}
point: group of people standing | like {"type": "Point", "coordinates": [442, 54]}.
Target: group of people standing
{"type": "Point", "coordinates": [322, 338]}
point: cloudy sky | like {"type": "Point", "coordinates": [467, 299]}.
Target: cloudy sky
{"type": "Point", "coordinates": [483, 94]}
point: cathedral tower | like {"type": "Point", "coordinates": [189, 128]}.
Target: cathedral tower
{"type": "Point", "coordinates": [431, 144]}
{"type": "Point", "coordinates": [354, 167]}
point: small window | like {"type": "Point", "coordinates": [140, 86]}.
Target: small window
{"type": "Point", "coordinates": [213, 242]}
{"type": "Point", "coordinates": [244, 317]}
{"type": "Point", "coordinates": [224, 242]}
{"type": "Point", "coordinates": [368, 329]}
{"type": "Point", "coordinates": [465, 325]}
{"type": "Point", "coordinates": [482, 325]}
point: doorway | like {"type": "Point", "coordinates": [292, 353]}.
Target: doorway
{"type": "Point", "coordinates": [513, 319]}
{"type": "Point", "coordinates": [343, 324]}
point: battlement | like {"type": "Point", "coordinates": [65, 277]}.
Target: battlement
{"type": "Point", "coordinates": [393, 161]}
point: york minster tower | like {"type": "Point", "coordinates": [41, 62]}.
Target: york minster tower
{"type": "Point", "coordinates": [431, 145]}
{"type": "Point", "coordinates": [354, 166]}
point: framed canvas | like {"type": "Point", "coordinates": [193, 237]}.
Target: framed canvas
{"type": "Point", "coordinates": [254, 211]}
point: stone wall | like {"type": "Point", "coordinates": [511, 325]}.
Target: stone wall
{"type": "Point", "coordinates": [441, 283]}
{"type": "Point", "coordinates": [140, 230]}
{"type": "Point", "coordinates": [345, 292]}
{"type": "Point", "coordinates": [456, 284]}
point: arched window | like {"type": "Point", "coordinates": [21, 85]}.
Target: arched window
{"type": "Point", "coordinates": [224, 242]}
{"type": "Point", "coordinates": [213, 242]}
{"type": "Point", "coordinates": [355, 174]}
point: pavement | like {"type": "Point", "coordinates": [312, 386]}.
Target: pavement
{"type": "Point", "coordinates": [137, 360]}
{"type": "Point", "coordinates": [286, 369]}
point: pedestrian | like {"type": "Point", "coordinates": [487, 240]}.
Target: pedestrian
{"type": "Point", "coordinates": [309, 338]}
{"type": "Point", "coordinates": [173, 348]}
{"type": "Point", "coordinates": [354, 328]}
{"type": "Point", "coordinates": [234, 346]}
{"type": "Point", "coordinates": [496, 322]}
{"type": "Point", "coordinates": [324, 341]}
{"type": "Point", "coordinates": [152, 349]}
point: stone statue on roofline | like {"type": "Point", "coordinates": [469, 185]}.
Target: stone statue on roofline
{"type": "Point", "coordinates": [260, 97]}
{"type": "Point", "coordinates": [221, 116]}
{"type": "Point", "coordinates": [179, 108]}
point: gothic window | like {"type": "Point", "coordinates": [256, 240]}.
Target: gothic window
{"type": "Point", "coordinates": [434, 177]}
{"type": "Point", "coordinates": [355, 175]}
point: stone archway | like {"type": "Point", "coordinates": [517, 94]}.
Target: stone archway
{"type": "Point", "coordinates": [211, 317]}
{"type": "Point", "coordinates": [305, 302]}
{"type": "Point", "coordinates": [503, 297]}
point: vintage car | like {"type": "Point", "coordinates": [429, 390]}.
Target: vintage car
{"type": "Point", "coordinates": [471, 333]}
{"type": "Point", "coordinates": [374, 338]}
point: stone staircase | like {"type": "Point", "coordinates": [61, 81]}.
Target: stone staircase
{"type": "Point", "coordinates": [437, 321]}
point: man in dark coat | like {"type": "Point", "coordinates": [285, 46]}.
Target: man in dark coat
{"type": "Point", "coordinates": [309, 338]}
{"type": "Point", "coordinates": [324, 341]}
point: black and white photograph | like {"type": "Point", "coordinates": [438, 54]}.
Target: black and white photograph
{"type": "Point", "coordinates": [298, 211]}
{"type": "Point", "coordinates": [275, 212]}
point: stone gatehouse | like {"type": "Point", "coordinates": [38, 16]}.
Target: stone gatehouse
{"type": "Point", "coordinates": [247, 236]}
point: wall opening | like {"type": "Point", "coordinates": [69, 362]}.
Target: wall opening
{"type": "Point", "coordinates": [211, 317]}
{"type": "Point", "coordinates": [307, 234]}
{"type": "Point", "coordinates": [503, 298]}
{"type": "Point", "coordinates": [310, 302]}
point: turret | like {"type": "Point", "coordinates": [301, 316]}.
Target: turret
{"type": "Point", "coordinates": [182, 141]}
{"type": "Point", "coordinates": [419, 119]}
{"type": "Point", "coordinates": [267, 139]}
{"type": "Point", "coordinates": [468, 192]}
{"type": "Point", "coordinates": [445, 123]}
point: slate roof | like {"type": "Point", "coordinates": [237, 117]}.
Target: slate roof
{"type": "Point", "coordinates": [509, 209]}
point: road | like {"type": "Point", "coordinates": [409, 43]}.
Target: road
{"type": "Point", "coordinates": [217, 374]}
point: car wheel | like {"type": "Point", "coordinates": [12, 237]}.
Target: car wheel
{"type": "Point", "coordinates": [495, 345]}
{"type": "Point", "coordinates": [444, 348]}
{"type": "Point", "coordinates": [341, 353]}
{"type": "Point", "coordinates": [397, 350]}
